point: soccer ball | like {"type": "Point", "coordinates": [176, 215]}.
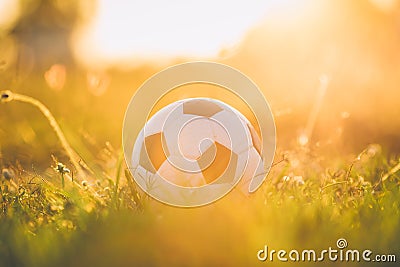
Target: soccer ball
{"type": "Point", "coordinates": [197, 142]}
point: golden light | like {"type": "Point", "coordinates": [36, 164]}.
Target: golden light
{"type": "Point", "coordinates": [56, 76]}
{"type": "Point", "coordinates": [303, 139]}
{"type": "Point", "coordinates": [9, 12]}
{"type": "Point", "coordinates": [156, 31]}
{"type": "Point", "coordinates": [385, 5]}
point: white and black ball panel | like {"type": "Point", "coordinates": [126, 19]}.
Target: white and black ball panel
{"type": "Point", "coordinates": [239, 133]}
{"type": "Point", "coordinates": [156, 123]}
{"type": "Point", "coordinates": [197, 142]}
{"type": "Point", "coordinates": [193, 136]}
{"type": "Point", "coordinates": [202, 107]}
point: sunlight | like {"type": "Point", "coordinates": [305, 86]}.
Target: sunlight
{"type": "Point", "coordinates": [9, 12]}
{"type": "Point", "coordinates": [385, 5]}
{"type": "Point", "coordinates": [157, 30]}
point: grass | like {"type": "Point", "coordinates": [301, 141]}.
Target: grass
{"type": "Point", "coordinates": [7, 96]}
{"type": "Point", "coordinates": [43, 224]}
{"type": "Point", "coordinates": [310, 199]}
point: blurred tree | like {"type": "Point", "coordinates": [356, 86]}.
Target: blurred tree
{"type": "Point", "coordinates": [45, 27]}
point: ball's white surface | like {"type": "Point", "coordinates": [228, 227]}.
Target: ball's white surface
{"type": "Point", "coordinates": [191, 142]}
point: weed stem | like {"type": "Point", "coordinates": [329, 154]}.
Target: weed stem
{"type": "Point", "coordinates": [391, 172]}
{"type": "Point", "coordinates": [7, 96]}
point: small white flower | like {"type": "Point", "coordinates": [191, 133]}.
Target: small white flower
{"type": "Point", "coordinates": [298, 179]}
{"type": "Point", "coordinates": [61, 168]}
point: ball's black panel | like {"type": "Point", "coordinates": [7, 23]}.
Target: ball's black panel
{"type": "Point", "coordinates": [201, 107]}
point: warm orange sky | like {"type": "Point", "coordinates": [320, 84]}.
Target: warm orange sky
{"type": "Point", "coordinates": [165, 29]}
{"type": "Point", "coordinates": [147, 31]}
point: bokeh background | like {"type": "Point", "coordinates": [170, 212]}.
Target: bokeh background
{"type": "Point", "coordinates": [330, 70]}
{"type": "Point", "coordinates": [85, 61]}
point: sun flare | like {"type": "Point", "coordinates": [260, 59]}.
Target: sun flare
{"type": "Point", "coordinates": [157, 30]}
